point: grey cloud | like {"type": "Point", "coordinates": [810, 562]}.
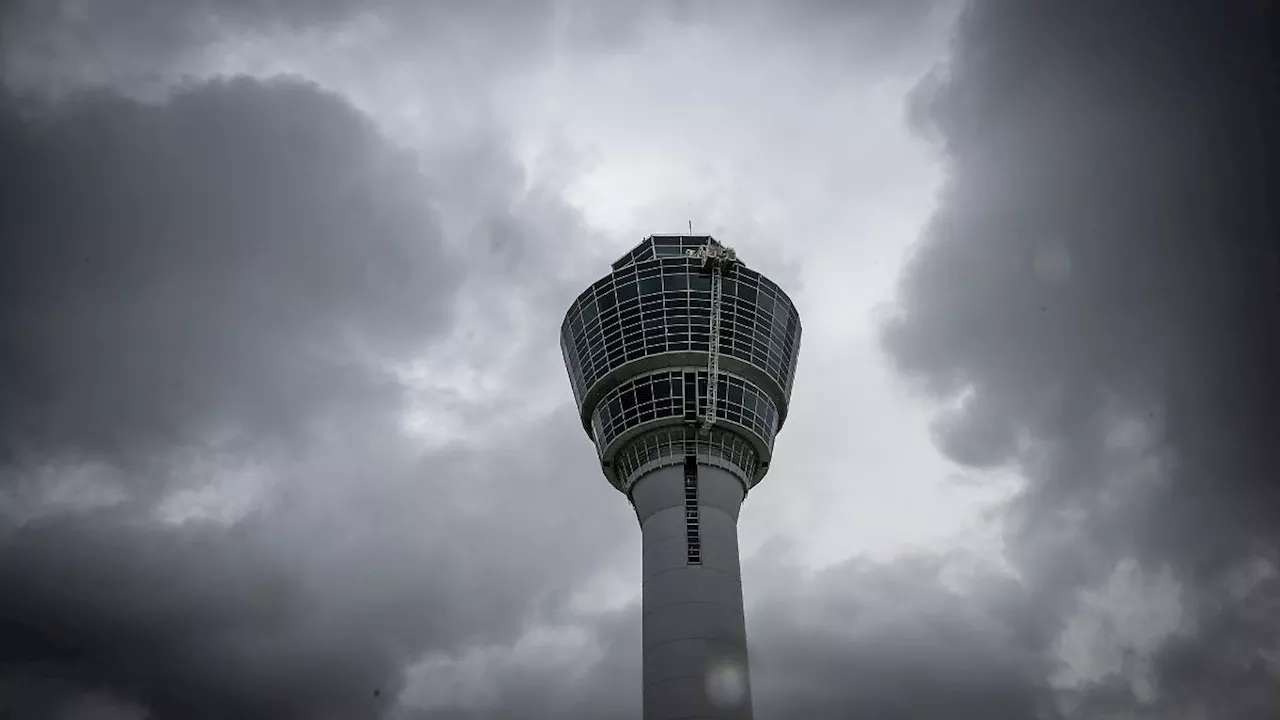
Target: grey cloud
{"type": "Point", "coordinates": [608, 690]}
{"type": "Point", "coordinates": [142, 45]}
{"type": "Point", "coordinates": [866, 640]}
{"type": "Point", "coordinates": [190, 623]}
{"type": "Point", "coordinates": [312, 606]}
{"type": "Point", "coordinates": [977, 433]}
{"type": "Point", "coordinates": [870, 32]}
{"type": "Point", "coordinates": [221, 269]}
{"type": "Point", "coordinates": [856, 640]}
{"type": "Point", "coordinates": [222, 280]}
{"type": "Point", "coordinates": [1105, 255]}
{"type": "Point", "coordinates": [1229, 669]}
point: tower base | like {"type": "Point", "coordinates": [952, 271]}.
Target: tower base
{"type": "Point", "coordinates": [695, 643]}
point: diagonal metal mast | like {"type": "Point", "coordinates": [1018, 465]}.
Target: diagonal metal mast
{"type": "Point", "coordinates": [716, 258]}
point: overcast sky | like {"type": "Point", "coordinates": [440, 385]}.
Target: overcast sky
{"type": "Point", "coordinates": [285, 432]}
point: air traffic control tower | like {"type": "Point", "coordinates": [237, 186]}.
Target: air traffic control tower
{"type": "Point", "coordinates": [681, 361]}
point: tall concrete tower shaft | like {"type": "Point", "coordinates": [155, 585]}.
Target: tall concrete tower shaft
{"type": "Point", "coordinates": [682, 362]}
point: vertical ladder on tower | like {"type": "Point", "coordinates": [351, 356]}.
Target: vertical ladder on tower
{"type": "Point", "coordinates": [693, 531]}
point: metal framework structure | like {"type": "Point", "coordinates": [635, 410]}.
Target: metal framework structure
{"type": "Point", "coordinates": [681, 361]}
{"type": "Point", "coordinates": [715, 258]}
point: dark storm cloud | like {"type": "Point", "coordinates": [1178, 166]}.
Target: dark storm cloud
{"type": "Point", "coordinates": [221, 276]}
{"type": "Point", "coordinates": [224, 267]}
{"type": "Point", "coordinates": [1101, 283]}
{"type": "Point", "coordinates": [141, 45]}
{"type": "Point", "coordinates": [218, 284]}
{"type": "Point", "coordinates": [311, 607]}
{"type": "Point", "coordinates": [132, 42]}
{"type": "Point", "coordinates": [136, 40]}
{"type": "Point", "coordinates": [868, 640]}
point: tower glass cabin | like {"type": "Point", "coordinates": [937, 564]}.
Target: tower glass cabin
{"type": "Point", "coordinates": [681, 361]}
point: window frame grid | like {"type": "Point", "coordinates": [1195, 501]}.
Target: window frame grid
{"type": "Point", "coordinates": [596, 340]}
{"type": "Point", "coordinates": [740, 402]}
{"type": "Point", "coordinates": [669, 446]}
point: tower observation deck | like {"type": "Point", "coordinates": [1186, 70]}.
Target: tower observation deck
{"type": "Point", "coordinates": [681, 361]}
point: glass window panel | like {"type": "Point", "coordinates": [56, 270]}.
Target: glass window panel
{"type": "Point", "coordinates": [734, 394]}
{"type": "Point", "coordinates": [650, 286]}
{"type": "Point", "coordinates": [606, 301]}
